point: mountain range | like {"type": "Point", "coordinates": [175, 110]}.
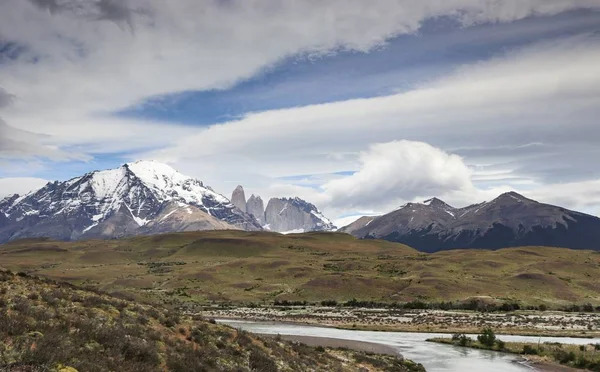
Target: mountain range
{"type": "Point", "coordinates": [509, 220]}
{"type": "Point", "coordinates": [148, 197]}
{"type": "Point", "coordinates": [143, 198]}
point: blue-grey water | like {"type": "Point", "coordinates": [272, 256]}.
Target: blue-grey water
{"type": "Point", "coordinates": [435, 357]}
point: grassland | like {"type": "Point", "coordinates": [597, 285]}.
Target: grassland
{"type": "Point", "coordinates": [260, 268]}
{"type": "Point", "coordinates": [576, 356]}
{"type": "Point", "coordinates": [55, 327]}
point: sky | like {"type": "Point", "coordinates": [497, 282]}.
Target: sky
{"type": "Point", "coordinates": [355, 106]}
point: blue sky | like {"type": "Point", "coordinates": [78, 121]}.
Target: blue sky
{"type": "Point", "coordinates": [310, 100]}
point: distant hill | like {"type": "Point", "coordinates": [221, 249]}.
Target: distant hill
{"type": "Point", "coordinates": [263, 267]}
{"type": "Point", "coordinates": [510, 220]}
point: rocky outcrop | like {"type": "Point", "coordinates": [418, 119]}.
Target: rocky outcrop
{"type": "Point", "coordinates": [282, 214]}
{"type": "Point", "coordinates": [256, 208]}
{"type": "Point", "coordinates": [510, 220]}
{"type": "Point", "coordinates": [295, 215]}
{"type": "Point", "coordinates": [238, 198]}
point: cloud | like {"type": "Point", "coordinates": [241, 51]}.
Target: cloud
{"type": "Point", "coordinates": [17, 144]}
{"type": "Point", "coordinates": [74, 65]}
{"type": "Point", "coordinates": [399, 170]}
{"type": "Point", "coordinates": [19, 185]}
{"type": "Point", "coordinates": [5, 98]}
{"type": "Point", "coordinates": [112, 10]}
{"type": "Point", "coordinates": [539, 94]}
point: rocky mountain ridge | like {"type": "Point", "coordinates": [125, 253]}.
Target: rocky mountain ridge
{"type": "Point", "coordinates": [285, 215]}
{"type": "Point", "coordinates": [509, 220]}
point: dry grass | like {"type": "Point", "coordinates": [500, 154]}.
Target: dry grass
{"type": "Point", "coordinates": [261, 267]}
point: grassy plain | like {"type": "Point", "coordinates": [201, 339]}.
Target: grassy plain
{"type": "Point", "coordinates": [261, 267]}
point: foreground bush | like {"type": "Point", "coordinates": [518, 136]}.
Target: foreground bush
{"type": "Point", "coordinates": [53, 327]}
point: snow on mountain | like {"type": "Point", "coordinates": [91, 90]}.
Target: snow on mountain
{"type": "Point", "coordinates": [114, 202]}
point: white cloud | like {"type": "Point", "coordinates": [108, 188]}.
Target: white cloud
{"type": "Point", "coordinates": [399, 170]}
{"type": "Point", "coordinates": [19, 185]}
{"type": "Point", "coordinates": [95, 57]}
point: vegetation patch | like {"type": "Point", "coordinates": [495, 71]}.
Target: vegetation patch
{"type": "Point", "coordinates": [58, 327]}
{"type": "Point", "coordinates": [577, 356]}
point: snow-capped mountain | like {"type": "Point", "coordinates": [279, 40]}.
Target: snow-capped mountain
{"type": "Point", "coordinates": [128, 200]}
{"type": "Point", "coordinates": [507, 221]}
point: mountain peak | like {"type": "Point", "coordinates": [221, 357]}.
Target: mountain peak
{"type": "Point", "coordinates": [238, 198]}
{"type": "Point", "coordinates": [513, 196]}
{"type": "Point", "coordinates": [435, 202]}
{"type": "Point", "coordinates": [153, 170]}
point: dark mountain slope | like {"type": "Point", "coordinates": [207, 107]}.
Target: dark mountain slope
{"type": "Point", "coordinates": [507, 221]}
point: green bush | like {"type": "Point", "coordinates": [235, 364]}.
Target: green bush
{"type": "Point", "coordinates": [487, 338]}
{"type": "Point", "coordinates": [529, 350]}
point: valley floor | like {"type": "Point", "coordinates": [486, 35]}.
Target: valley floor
{"type": "Point", "coordinates": [535, 323]}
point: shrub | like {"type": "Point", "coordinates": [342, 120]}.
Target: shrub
{"type": "Point", "coordinates": [464, 340]}
{"type": "Point", "coordinates": [487, 338]}
{"type": "Point", "coordinates": [564, 357]}
{"type": "Point", "coordinates": [529, 350]}
{"type": "Point", "coordinates": [261, 362]}
{"type": "Point", "coordinates": [242, 338]}
{"type": "Point", "coordinates": [329, 303]}
{"type": "Point", "coordinates": [501, 344]}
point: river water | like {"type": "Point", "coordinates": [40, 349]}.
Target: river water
{"type": "Point", "coordinates": [435, 357]}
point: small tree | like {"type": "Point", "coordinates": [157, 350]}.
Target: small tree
{"type": "Point", "coordinates": [487, 338]}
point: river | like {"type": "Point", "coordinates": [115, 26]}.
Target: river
{"type": "Point", "coordinates": [435, 357]}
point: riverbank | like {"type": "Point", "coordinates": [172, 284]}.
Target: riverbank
{"type": "Point", "coordinates": [547, 356]}
{"type": "Point", "coordinates": [520, 323]}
